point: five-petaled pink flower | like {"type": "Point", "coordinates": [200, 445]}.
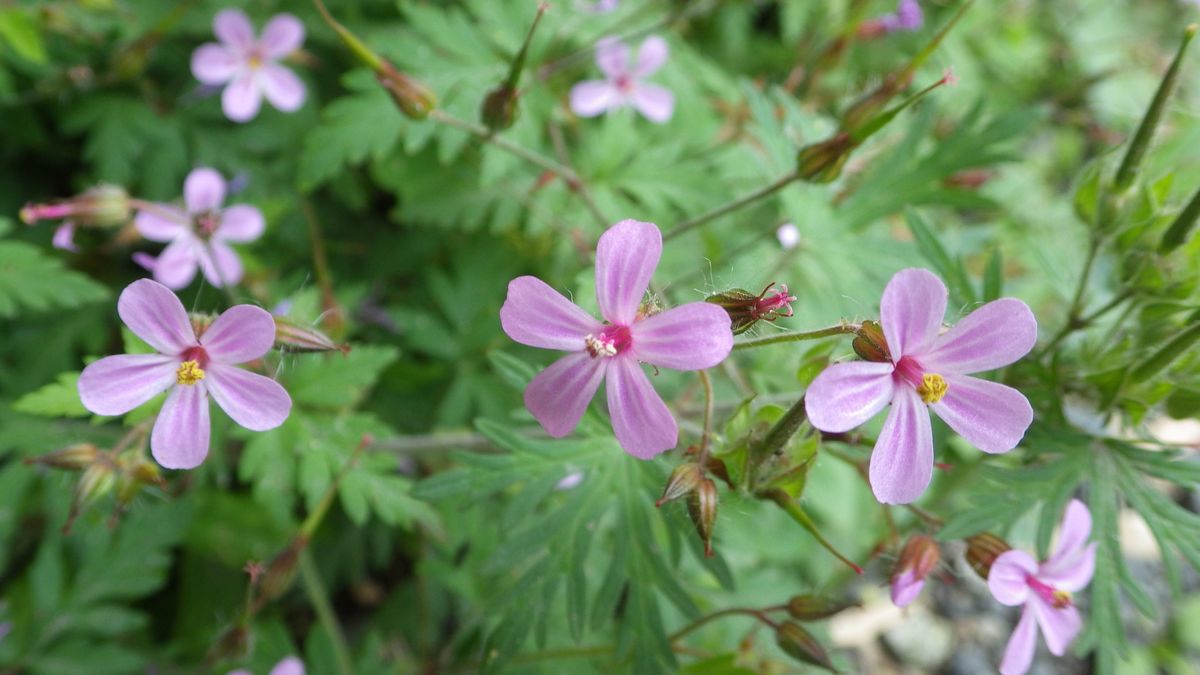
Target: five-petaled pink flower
{"type": "Point", "coordinates": [907, 17]}
{"type": "Point", "coordinates": [289, 665]}
{"type": "Point", "coordinates": [1045, 590]}
{"type": "Point", "coordinates": [928, 369]}
{"type": "Point", "coordinates": [625, 85]}
{"type": "Point", "coordinates": [249, 65]}
{"type": "Point", "coordinates": [200, 235]}
{"type": "Point", "coordinates": [192, 366]}
{"type": "Point", "coordinates": [689, 337]}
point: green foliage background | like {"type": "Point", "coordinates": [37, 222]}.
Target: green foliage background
{"type": "Point", "coordinates": [451, 546]}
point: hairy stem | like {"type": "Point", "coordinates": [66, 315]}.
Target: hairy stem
{"type": "Point", "coordinates": [840, 329]}
{"type": "Point", "coordinates": [765, 191]}
{"type": "Point", "coordinates": [319, 599]}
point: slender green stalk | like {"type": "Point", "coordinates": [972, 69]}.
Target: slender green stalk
{"type": "Point", "coordinates": [1074, 322]}
{"type": "Point", "coordinates": [1178, 232]}
{"type": "Point", "coordinates": [840, 329]}
{"type": "Point", "coordinates": [759, 614]}
{"type": "Point", "coordinates": [765, 191]}
{"type": "Point", "coordinates": [317, 597]}
{"type": "Point", "coordinates": [706, 435]}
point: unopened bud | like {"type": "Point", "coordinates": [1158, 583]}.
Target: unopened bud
{"type": "Point", "coordinates": [413, 98]}
{"type": "Point", "coordinates": [746, 309]}
{"type": "Point", "coordinates": [801, 645]}
{"type": "Point", "coordinates": [499, 109]}
{"type": "Point", "coordinates": [683, 480]}
{"type": "Point", "coordinates": [72, 458]}
{"type": "Point", "coordinates": [982, 551]}
{"type": "Point", "coordinates": [822, 162]}
{"type": "Point", "coordinates": [702, 507]}
{"type": "Point", "coordinates": [100, 206]}
{"type": "Point", "coordinates": [136, 472]}
{"type": "Point", "coordinates": [871, 344]}
{"type": "Point", "coordinates": [918, 558]}
{"type": "Point", "coordinates": [97, 480]}
{"type": "Point", "coordinates": [200, 322]}
{"type": "Point", "coordinates": [815, 607]}
{"type": "Point", "coordinates": [294, 337]}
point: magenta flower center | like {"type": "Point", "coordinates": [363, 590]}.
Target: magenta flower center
{"type": "Point", "coordinates": [1053, 597]}
{"type": "Point", "coordinates": [207, 224]}
{"type": "Point", "coordinates": [931, 386]}
{"type": "Point", "coordinates": [191, 370]}
{"type": "Point", "coordinates": [775, 304]}
{"type": "Point", "coordinates": [610, 341]}
{"type": "Point", "coordinates": [255, 58]}
{"type": "Point", "coordinates": [624, 83]}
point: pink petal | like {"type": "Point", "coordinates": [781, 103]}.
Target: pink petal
{"type": "Point", "coordinates": [282, 88]}
{"type": "Point", "coordinates": [905, 588]}
{"type": "Point", "coordinates": [626, 257]}
{"type": "Point", "coordinates": [180, 436]}
{"type": "Point", "coordinates": [593, 97]}
{"type": "Point", "coordinates": [220, 263]}
{"type": "Point", "coordinates": [689, 337]}
{"type": "Point", "coordinates": [612, 56]}
{"type": "Point", "coordinates": [289, 665]}
{"type": "Point", "coordinates": [643, 424]}
{"type": "Point", "coordinates": [242, 98]}
{"type": "Point", "coordinates": [203, 190]}
{"type": "Point", "coordinates": [1007, 579]}
{"type": "Point", "coordinates": [991, 337]}
{"type": "Point", "coordinates": [155, 315]}
{"type": "Point", "coordinates": [240, 223]}
{"type": "Point", "coordinates": [163, 223]}
{"type": "Point", "coordinates": [845, 395]}
{"type": "Point", "coordinates": [992, 416]}
{"type": "Point", "coordinates": [282, 35]}
{"type": "Point", "coordinates": [1074, 532]}
{"type": "Point", "coordinates": [536, 315]}
{"type": "Point", "coordinates": [653, 101]}
{"type": "Point", "coordinates": [1059, 625]}
{"type": "Point", "coordinates": [232, 27]}
{"type": "Point", "coordinates": [242, 333]}
{"type": "Point", "coordinates": [1018, 654]}
{"type": "Point", "coordinates": [214, 64]}
{"type": "Point", "coordinates": [651, 56]}
{"type": "Point", "coordinates": [144, 260]}
{"type": "Point", "coordinates": [239, 671]}
{"type": "Point", "coordinates": [254, 401]}
{"type": "Point", "coordinates": [64, 237]}
{"type": "Point", "coordinates": [1072, 573]}
{"type": "Point", "coordinates": [559, 395]}
{"type": "Point", "coordinates": [911, 311]}
{"type": "Point", "coordinates": [114, 385]}
{"type": "Point", "coordinates": [902, 461]}
{"type": "Point", "coordinates": [176, 266]}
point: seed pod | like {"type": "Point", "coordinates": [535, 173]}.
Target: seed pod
{"type": "Point", "coordinates": [294, 337]}
{"type": "Point", "coordinates": [281, 571]}
{"type": "Point", "coordinates": [72, 458]}
{"type": "Point", "coordinates": [815, 607]}
{"type": "Point", "coordinates": [683, 481]}
{"type": "Point", "coordinates": [413, 98]}
{"type": "Point", "coordinates": [101, 206]}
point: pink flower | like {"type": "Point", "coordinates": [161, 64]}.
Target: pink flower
{"type": "Point", "coordinates": [199, 236]}
{"type": "Point", "coordinates": [290, 665]}
{"type": "Point", "coordinates": [190, 366]}
{"type": "Point", "coordinates": [599, 6]}
{"type": "Point", "coordinates": [1045, 590]}
{"type": "Point", "coordinates": [918, 558]}
{"type": "Point", "coordinates": [689, 337]}
{"type": "Point", "coordinates": [625, 85]}
{"type": "Point", "coordinates": [928, 369]}
{"type": "Point", "coordinates": [250, 65]}
{"type": "Point", "coordinates": [908, 17]}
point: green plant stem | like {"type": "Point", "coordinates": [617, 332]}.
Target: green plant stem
{"type": "Point", "coordinates": [321, 261]}
{"type": "Point", "coordinates": [759, 614]}
{"type": "Point", "coordinates": [313, 521]}
{"type": "Point", "coordinates": [840, 329]}
{"type": "Point", "coordinates": [706, 435]}
{"type": "Point", "coordinates": [1074, 322]}
{"type": "Point", "coordinates": [765, 191]}
{"type": "Point", "coordinates": [792, 508]}
{"type": "Point", "coordinates": [568, 175]}
{"type": "Point", "coordinates": [317, 597]}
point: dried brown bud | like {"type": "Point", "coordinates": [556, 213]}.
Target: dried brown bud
{"type": "Point", "coordinates": [982, 551]}
{"type": "Point", "coordinates": [281, 571]}
{"type": "Point", "coordinates": [72, 458]}
{"type": "Point", "coordinates": [702, 507]}
{"type": "Point", "coordinates": [683, 480]}
{"type": "Point", "coordinates": [801, 645]}
{"type": "Point", "coordinates": [870, 343]}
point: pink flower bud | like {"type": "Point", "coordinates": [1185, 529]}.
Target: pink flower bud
{"type": "Point", "coordinates": [918, 558]}
{"type": "Point", "coordinates": [100, 206]}
{"type": "Point", "coordinates": [746, 309]}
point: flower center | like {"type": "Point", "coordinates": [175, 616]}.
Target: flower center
{"type": "Point", "coordinates": [931, 386]}
{"type": "Point", "coordinates": [624, 83]}
{"type": "Point", "coordinates": [1053, 597]}
{"type": "Point", "coordinates": [254, 59]}
{"type": "Point", "coordinates": [189, 372]}
{"type": "Point", "coordinates": [207, 223]}
{"type": "Point", "coordinates": [610, 341]}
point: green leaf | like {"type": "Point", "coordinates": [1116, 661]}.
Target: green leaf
{"type": "Point", "coordinates": [949, 268]}
{"type": "Point", "coordinates": [20, 32]}
{"type": "Point", "coordinates": [340, 139]}
{"type": "Point", "coordinates": [58, 399]}
{"type": "Point", "coordinates": [337, 381]}
{"type": "Point", "coordinates": [30, 281]}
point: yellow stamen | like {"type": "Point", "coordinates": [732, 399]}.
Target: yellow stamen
{"type": "Point", "coordinates": [597, 348]}
{"type": "Point", "coordinates": [1061, 599]}
{"type": "Point", "coordinates": [189, 372]}
{"type": "Point", "coordinates": [933, 388]}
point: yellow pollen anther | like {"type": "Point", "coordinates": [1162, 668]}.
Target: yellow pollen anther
{"type": "Point", "coordinates": [1061, 599]}
{"type": "Point", "coordinates": [189, 372]}
{"type": "Point", "coordinates": [933, 388]}
{"type": "Point", "coordinates": [597, 347]}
